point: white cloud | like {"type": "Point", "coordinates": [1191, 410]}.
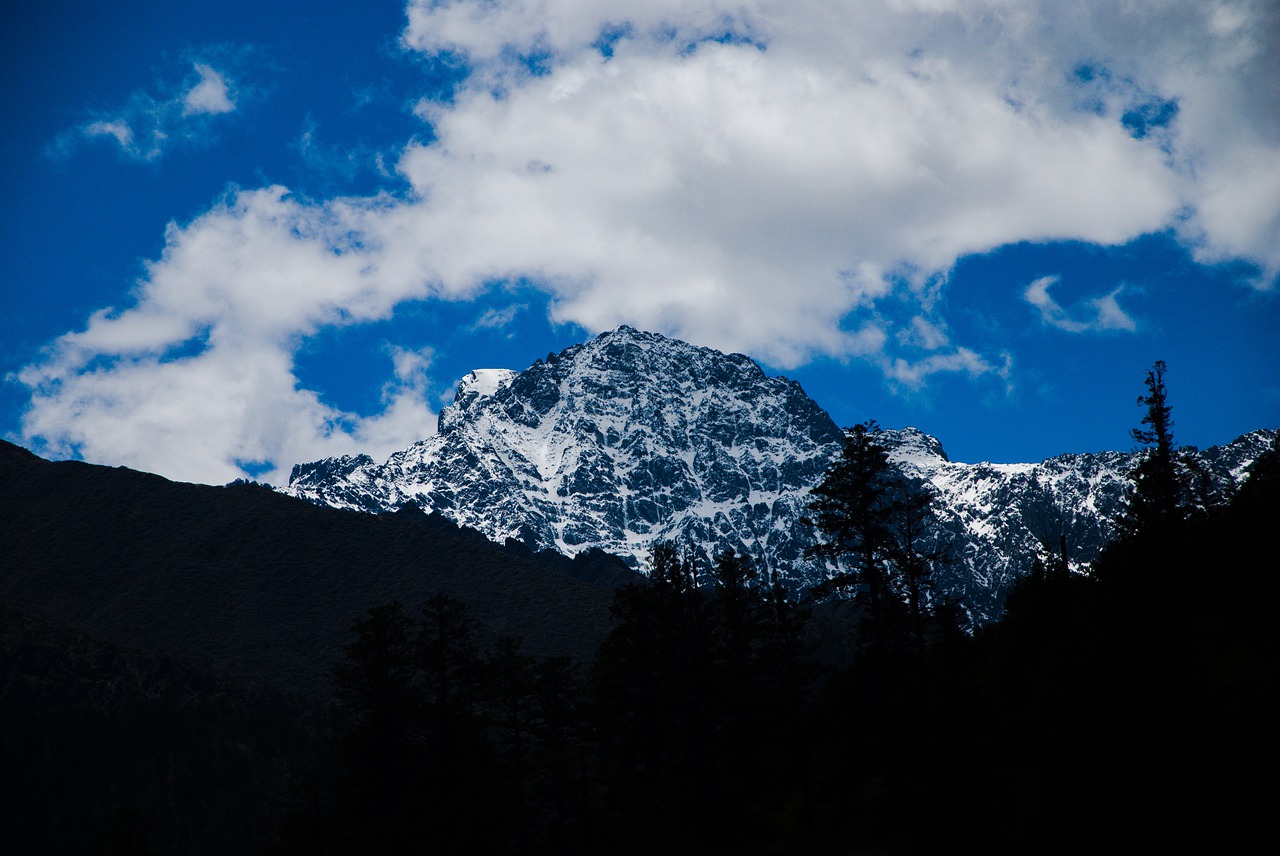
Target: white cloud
{"type": "Point", "coordinates": [914, 374]}
{"type": "Point", "coordinates": [196, 378]}
{"type": "Point", "coordinates": [405, 417]}
{"type": "Point", "coordinates": [193, 419]}
{"type": "Point", "coordinates": [752, 202]}
{"type": "Point", "coordinates": [210, 95]}
{"type": "Point", "coordinates": [496, 318]}
{"type": "Point", "coordinates": [924, 334]}
{"type": "Point", "coordinates": [118, 130]}
{"type": "Point", "coordinates": [150, 123]}
{"type": "Point", "coordinates": [1110, 315]}
{"type": "Point", "coordinates": [1097, 314]}
{"type": "Point", "coordinates": [768, 193]}
{"type": "Point", "coordinates": [1001, 74]}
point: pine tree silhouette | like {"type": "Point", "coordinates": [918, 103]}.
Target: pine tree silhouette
{"type": "Point", "coordinates": [852, 509]}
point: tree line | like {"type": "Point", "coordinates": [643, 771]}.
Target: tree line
{"type": "Point", "coordinates": [439, 743]}
{"type": "Point", "coordinates": [1106, 709]}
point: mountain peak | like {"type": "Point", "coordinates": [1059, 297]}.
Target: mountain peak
{"type": "Point", "coordinates": [911, 445]}
{"type": "Point", "coordinates": [633, 438]}
{"type": "Point", "coordinates": [474, 386]}
{"type": "Point", "coordinates": [625, 440]}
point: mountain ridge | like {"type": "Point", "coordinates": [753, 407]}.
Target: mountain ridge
{"type": "Point", "coordinates": [258, 585]}
{"type": "Point", "coordinates": [647, 470]}
{"type": "Point", "coordinates": [633, 438]}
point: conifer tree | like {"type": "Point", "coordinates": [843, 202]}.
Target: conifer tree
{"type": "Point", "coordinates": [375, 682]}
{"type": "Point", "coordinates": [510, 706]}
{"type": "Point", "coordinates": [732, 573]}
{"type": "Point", "coordinates": [1160, 489]}
{"type": "Point", "coordinates": [448, 661]}
{"type": "Point", "coordinates": [852, 506]}
{"type": "Point", "coordinates": [733, 614]}
{"type": "Point", "coordinates": [882, 523]}
{"type": "Point", "coordinates": [913, 528]}
{"type": "Point", "coordinates": [379, 749]}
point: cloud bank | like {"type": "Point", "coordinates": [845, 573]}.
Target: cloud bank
{"type": "Point", "coordinates": [764, 177]}
{"type": "Point", "coordinates": [196, 379]}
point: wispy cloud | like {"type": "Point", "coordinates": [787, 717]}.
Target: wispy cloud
{"type": "Point", "coordinates": [498, 317]}
{"type": "Point", "coordinates": [151, 122]}
{"type": "Point", "coordinates": [341, 165]}
{"type": "Point", "coordinates": [924, 334]}
{"type": "Point", "coordinates": [1093, 315]}
{"type": "Point", "coordinates": [914, 374]}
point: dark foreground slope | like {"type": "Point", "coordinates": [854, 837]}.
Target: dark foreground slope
{"type": "Point", "coordinates": [257, 585]}
{"type": "Point", "coordinates": [110, 751]}
{"type": "Point", "coordinates": [1126, 711]}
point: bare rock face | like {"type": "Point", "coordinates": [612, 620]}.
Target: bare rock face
{"type": "Point", "coordinates": [633, 438]}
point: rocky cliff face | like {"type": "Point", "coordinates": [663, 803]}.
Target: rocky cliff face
{"type": "Point", "coordinates": [633, 438]}
{"type": "Point", "coordinates": [997, 518]}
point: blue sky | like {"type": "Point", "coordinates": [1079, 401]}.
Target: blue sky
{"type": "Point", "coordinates": [238, 236]}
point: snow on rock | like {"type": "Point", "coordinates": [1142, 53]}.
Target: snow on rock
{"type": "Point", "coordinates": [634, 438]}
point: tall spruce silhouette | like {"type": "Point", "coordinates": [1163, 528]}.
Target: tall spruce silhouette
{"type": "Point", "coordinates": [881, 525]}
{"type": "Point", "coordinates": [379, 746]}
{"type": "Point", "coordinates": [1160, 486]}
{"type": "Point", "coordinates": [914, 549]}
{"type": "Point", "coordinates": [852, 507]}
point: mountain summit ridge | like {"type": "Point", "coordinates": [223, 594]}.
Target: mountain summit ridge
{"type": "Point", "coordinates": [632, 438]}
{"type": "Point", "coordinates": [625, 440]}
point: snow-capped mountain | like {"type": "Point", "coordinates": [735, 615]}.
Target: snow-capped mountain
{"type": "Point", "coordinates": [634, 438]}
{"type": "Point", "coordinates": [999, 517]}
{"type": "Point", "coordinates": [627, 440]}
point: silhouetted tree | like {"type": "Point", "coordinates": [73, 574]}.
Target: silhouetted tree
{"type": "Point", "coordinates": [656, 651]}
{"type": "Point", "coordinates": [1170, 485]}
{"type": "Point", "coordinates": [914, 548]}
{"type": "Point", "coordinates": [690, 696]}
{"type": "Point", "coordinates": [510, 706]}
{"type": "Point", "coordinates": [733, 613]}
{"type": "Point", "coordinates": [882, 522]}
{"type": "Point", "coordinates": [448, 657]}
{"type": "Point", "coordinates": [559, 756]}
{"type": "Point", "coordinates": [378, 705]}
{"type": "Point", "coordinates": [509, 684]}
{"type": "Point", "coordinates": [375, 682]}
{"type": "Point", "coordinates": [647, 702]}
{"type": "Point", "coordinates": [784, 624]}
{"type": "Point", "coordinates": [733, 573]}
{"type": "Point", "coordinates": [852, 509]}
{"type": "Point", "coordinates": [1160, 484]}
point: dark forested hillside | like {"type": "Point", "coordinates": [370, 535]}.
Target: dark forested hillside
{"type": "Point", "coordinates": [258, 585]}
{"type": "Point", "coordinates": [1126, 711]}
{"type": "Point", "coordinates": [1129, 709]}
{"type": "Point", "coordinates": [109, 751]}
